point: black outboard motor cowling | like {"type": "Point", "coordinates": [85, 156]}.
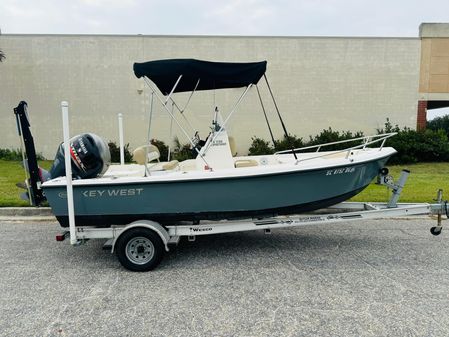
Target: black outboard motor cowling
{"type": "Point", "coordinates": [89, 155]}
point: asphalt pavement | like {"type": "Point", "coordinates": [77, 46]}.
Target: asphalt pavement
{"type": "Point", "coordinates": [370, 278]}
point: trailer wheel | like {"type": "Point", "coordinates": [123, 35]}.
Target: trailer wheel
{"type": "Point", "coordinates": [435, 230]}
{"type": "Point", "coordinates": [139, 249]}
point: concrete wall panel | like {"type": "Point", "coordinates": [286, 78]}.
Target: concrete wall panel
{"type": "Point", "coordinates": [434, 77]}
{"type": "Point", "coordinates": [346, 83]}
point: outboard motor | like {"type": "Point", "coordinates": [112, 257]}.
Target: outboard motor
{"type": "Point", "coordinates": [90, 158]}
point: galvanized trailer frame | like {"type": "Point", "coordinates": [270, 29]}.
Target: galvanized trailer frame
{"type": "Point", "coordinates": [169, 236]}
{"type": "Point", "coordinates": [359, 211]}
{"type": "Point", "coordinates": [343, 212]}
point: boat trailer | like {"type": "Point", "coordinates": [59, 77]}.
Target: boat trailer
{"type": "Point", "coordinates": [141, 245]}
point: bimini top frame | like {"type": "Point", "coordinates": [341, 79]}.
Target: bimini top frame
{"type": "Point", "coordinates": [179, 75]}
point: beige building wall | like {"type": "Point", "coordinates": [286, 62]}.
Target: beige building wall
{"type": "Point", "coordinates": [434, 65]}
{"type": "Point", "coordinates": [434, 72]}
{"type": "Point", "coordinates": [346, 83]}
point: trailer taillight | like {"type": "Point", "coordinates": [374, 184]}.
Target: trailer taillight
{"type": "Point", "coordinates": [61, 236]}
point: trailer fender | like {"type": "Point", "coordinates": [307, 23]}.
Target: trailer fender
{"type": "Point", "coordinates": [154, 226]}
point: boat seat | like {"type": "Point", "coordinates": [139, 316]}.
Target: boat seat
{"type": "Point", "coordinates": [232, 146]}
{"type": "Point", "coordinates": [245, 163]}
{"type": "Point", "coordinates": [171, 165]}
{"type": "Point", "coordinates": [152, 154]}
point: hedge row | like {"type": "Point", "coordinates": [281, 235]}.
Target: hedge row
{"type": "Point", "coordinates": [260, 146]}
{"type": "Point", "coordinates": [16, 155]}
{"type": "Point", "coordinates": [439, 123]}
{"type": "Point", "coordinates": [430, 145]}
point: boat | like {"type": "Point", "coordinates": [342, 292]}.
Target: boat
{"type": "Point", "coordinates": [216, 184]}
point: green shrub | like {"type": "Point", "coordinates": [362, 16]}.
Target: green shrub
{"type": "Point", "coordinates": [439, 123]}
{"type": "Point", "coordinates": [15, 155]}
{"type": "Point", "coordinates": [288, 142]}
{"type": "Point", "coordinates": [417, 146]}
{"type": "Point", "coordinates": [163, 148]}
{"type": "Point", "coordinates": [388, 128]}
{"type": "Point", "coordinates": [330, 136]}
{"type": "Point", "coordinates": [7, 154]}
{"type": "Point", "coordinates": [260, 146]}
{"type": "Point", "coordinates": [182, 151]}
{"type": "Point", "coordinates": [115, 153]}
{"type": "Point", "coordinates": [431, 145]}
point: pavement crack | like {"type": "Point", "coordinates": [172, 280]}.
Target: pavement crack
{"type": "Point", "coordinates": [274, 316]}
{"type": "Point", "coordinates": [409, 234]}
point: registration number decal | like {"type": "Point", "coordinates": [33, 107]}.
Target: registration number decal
{"type": "Point", "coordinates": [343, 170]}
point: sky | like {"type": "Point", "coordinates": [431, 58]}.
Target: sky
{"type": "Point", "coordinates": [232, 17]}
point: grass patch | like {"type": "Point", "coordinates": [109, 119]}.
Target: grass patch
{"type": "Point", "coordinates": [421, 186]}
{"type": "Point", "coordinates": [11, 173]}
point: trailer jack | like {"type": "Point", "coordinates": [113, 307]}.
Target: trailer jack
{"type": "Point", "coordinates": [436, 230]}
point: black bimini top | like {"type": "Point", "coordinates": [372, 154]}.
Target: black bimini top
{"type": "Point", "coordinates": [211, 75]}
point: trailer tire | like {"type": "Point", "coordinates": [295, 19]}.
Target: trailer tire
{"type": "Point", "coordinates": [139, 249]}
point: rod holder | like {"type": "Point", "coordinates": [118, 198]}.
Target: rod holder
{"type": "Point", "coordinates": [121, 141]}
{"type": "Point", "coordinates": [68, 172]}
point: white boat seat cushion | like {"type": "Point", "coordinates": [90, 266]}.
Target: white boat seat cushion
{"type": "Point", "coordinates": [171, 165]}
{"type": "Point", "coordinates": [188, 165]}
{"type": "Point", "coordinates": [232, 146]}
{"type": "Point", "coordinates": [152, 154]}
{"type": "Point", "coordinates": [245, 163]}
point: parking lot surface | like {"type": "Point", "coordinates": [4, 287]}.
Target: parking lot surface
{"type": "Point", "coordinates": [371, 278]}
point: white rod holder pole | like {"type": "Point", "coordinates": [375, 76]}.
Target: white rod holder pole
{"type": "Point", "coordinates": [68, 171]}
{"type": "Point", "coordinates": [122, 145]}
